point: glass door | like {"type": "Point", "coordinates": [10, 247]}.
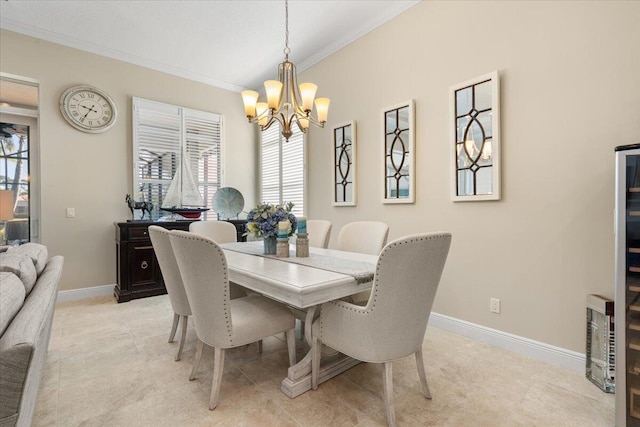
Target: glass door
{"type": "Point", "coordinates": [627, 307]}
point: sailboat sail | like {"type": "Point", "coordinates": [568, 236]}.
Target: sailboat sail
{"type": "Point", "coordinates": [183, 191]}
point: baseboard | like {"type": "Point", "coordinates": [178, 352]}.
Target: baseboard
{"type": "Point", "coordinates": [76, 294]}
{"type": "Point", "coordinates": [538, 350]}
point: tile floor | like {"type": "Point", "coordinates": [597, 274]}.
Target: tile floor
{"type": "Point", "coordinates": [110, 364]}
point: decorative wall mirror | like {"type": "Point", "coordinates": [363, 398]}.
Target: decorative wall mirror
{"type": "Point", "coordinates": [475, 139]}
{"type": "Point", "coordinates": [344, 164]}
{"type": "Point", "coordinates": [399, 153]}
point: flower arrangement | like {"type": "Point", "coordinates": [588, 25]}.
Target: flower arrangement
{"type": "Point", "coordinates": [262, 221]}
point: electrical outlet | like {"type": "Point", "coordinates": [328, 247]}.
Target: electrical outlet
{"type": "Point", "coordinates": [494, 305]}
{"type": "Point", "coordinates": [71, 212]}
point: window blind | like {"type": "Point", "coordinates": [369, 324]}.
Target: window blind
{"type": "Point", "coordinates": [162, 134]}
{"type": "Point", "coordinates": [282, 171]}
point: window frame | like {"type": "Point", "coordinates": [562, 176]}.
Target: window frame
{"type": "Point", "coordinates": [29, 117]}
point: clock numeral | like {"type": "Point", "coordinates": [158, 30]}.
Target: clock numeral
{"type": "Point", "coordinates": [105, 118]}
{"type": "Point", "coordinates": [105, 105]}
{"type": "Point", "coordinates": [99, 122]}
{"type": "Point", "coordinates": [82, 95]}
{"type": "Point", "coordinates": [107, 111]}
{"type": "Point", "coordinates": [90, 95]}
{"type": "Point", "coordinates": [90, 122]}
{"type": "Point", "coordinates": [75, 113]}
{"type": "Point", "coordinates": [81, 119]}
{"type": "Point", "coordinates": [75, 99]}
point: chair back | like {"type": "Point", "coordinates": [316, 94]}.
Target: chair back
{"type": "Point", "coordinates": [203, 267]}
{"type": "Point", "coordinates": [365, 237]}
{"type": "Point", "coordinates": [404, 287]}
{"type": "Point", "coordinates": [169, 268]}
{"type": "Point", "coordinates": [218, 231]}
{"type": "Point", "coordinates": [319, 231]}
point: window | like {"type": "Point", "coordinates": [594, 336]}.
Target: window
{"type": "Point", "coordinates": [282, 168]}
{"type": "Point", "coordinates": [19, 163]}
{"type": "Point", "coordinates": [167, 136]}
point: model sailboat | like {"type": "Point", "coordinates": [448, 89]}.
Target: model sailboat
{"type": "Point", "coordinates": [183, 196]}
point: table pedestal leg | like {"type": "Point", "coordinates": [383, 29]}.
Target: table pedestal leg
{"type": "Point", "coordinates": [298, 378]}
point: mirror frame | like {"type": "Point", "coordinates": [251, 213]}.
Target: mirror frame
{"type": "Point", "coordinates": [353, 167]}
{"type": "Point", "coordinates": [410, 198]}
{"type": "Point", "coordinates": [495, 138]}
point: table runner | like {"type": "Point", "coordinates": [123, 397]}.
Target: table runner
{"type": "Point", "coordinates": [362, 271]}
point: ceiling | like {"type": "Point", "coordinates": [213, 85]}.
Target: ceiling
{"type": "Point", "coordinates": [230, 44]}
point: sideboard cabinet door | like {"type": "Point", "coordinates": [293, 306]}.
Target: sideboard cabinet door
{"type": "Point", "coordinates": [138, 273]}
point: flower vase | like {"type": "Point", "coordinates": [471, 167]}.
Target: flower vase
{"type": "Point", "coordinates": [269, 245]}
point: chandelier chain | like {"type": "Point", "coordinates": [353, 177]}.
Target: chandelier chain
{"type": "Point", "coordinates": [286, 50]}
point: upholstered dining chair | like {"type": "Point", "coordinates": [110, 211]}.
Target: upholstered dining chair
{"type": "Point", "coordinates": [221, 322]}
{"type": "Point", "coordinates": [319, 231]}
{"type": "Point", "coordinates": [173, 282]}
{"type": "Point", "coordinates": [365, 237]}
{"type": "Point", "coordinates": [393, 323]}
{"type": "Point", "coordinates": [220, 232]}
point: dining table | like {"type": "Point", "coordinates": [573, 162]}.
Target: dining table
{"type": "Point", "coordinates": [304, 284]}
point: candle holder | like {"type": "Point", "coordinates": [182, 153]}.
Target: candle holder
{"type": "Point", "coordinates": [282, 247]}
{"type": "Point", "coordinates": [302, 245]}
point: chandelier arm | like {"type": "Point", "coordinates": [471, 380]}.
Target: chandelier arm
{"type": "Point", "coordinates": [272, 119]}
{"type": "Point", "coordinates": [314, 121]}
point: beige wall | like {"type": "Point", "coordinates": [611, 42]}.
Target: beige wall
{"type": "Point", "coordinates": [92, 173]}
{"type": "Point", "coordinates": [570, 93]}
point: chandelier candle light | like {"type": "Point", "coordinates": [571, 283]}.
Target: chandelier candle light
{"type": "Point", "coordinates": [286, 102]}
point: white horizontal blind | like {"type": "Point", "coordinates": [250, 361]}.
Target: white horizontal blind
{"type": "Point", "coordinates": [202, 146]}
{"type": "Point", "coordinates": [161, 133]}
{"type": "Point", "coordinates": [293, 172]}
{"type": "Point", "coordinates": [270, 165]}
{"type": "Point", "coordinates": [282, 171]}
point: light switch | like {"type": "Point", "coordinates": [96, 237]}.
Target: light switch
{"type": "Point", "coordinates": [71, 212]}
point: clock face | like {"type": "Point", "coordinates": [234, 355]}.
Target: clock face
{"type": "Point", "coordinates": [88, 109]}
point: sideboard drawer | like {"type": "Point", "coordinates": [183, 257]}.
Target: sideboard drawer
{"type": "Point", "coordinates": [138, 232]}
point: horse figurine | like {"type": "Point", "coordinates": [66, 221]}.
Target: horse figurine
{"type": "Point", "coordinates": [145, 206]}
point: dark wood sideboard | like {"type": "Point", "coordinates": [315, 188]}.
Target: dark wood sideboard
{"type": "Point", "coordinates": [138, 273]}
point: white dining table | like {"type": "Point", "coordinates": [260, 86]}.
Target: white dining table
{"type": "Point", "coordinates": [304, 288]}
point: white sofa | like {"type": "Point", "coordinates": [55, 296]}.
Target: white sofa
{"type": "Point", "coordinates": [28, 291]}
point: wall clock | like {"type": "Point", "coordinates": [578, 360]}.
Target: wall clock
{"type": "Point", "coordinates": [88, 109]}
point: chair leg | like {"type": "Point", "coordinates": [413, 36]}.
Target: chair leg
{"type": "Point", "coordinates": [196, 359]}
{"type": "Point", "coordinates": [174, 328]}
{"type": "Point", "coordinates": [183, 335]}
{"type": "Point", "coordinates": [218, 367]}
{"type": "Point", "coordinates": [316, 354]}
{"type": "Point", "coordinates": [387, 381]}
{"type": "Point", "coordinates": [421, 374]}
{"type": "Point", "coordinates": [260, 347]}
{"type": "Point", "coordinates": [291, 345]}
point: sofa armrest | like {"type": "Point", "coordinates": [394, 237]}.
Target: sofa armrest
{"type": "Point", "coordinates": [14, 366]}
{"type": "Point", "coordinates": [23, 347]}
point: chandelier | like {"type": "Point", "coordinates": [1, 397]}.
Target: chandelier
{"type": "Point", "coordinates": [287, 103]}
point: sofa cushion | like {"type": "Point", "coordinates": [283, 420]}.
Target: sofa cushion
{"type": "Point", "coordinates": [12, 295]}
{"type": "Point", "coordinates": [37, 252]}
{"type": "Point", "coordinates": [21, 266]}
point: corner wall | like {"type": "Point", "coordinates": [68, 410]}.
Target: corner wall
{"type": "Point", "coordinates": [570, 93]}
{"type": "Point", "coordinates": [93, 172]}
